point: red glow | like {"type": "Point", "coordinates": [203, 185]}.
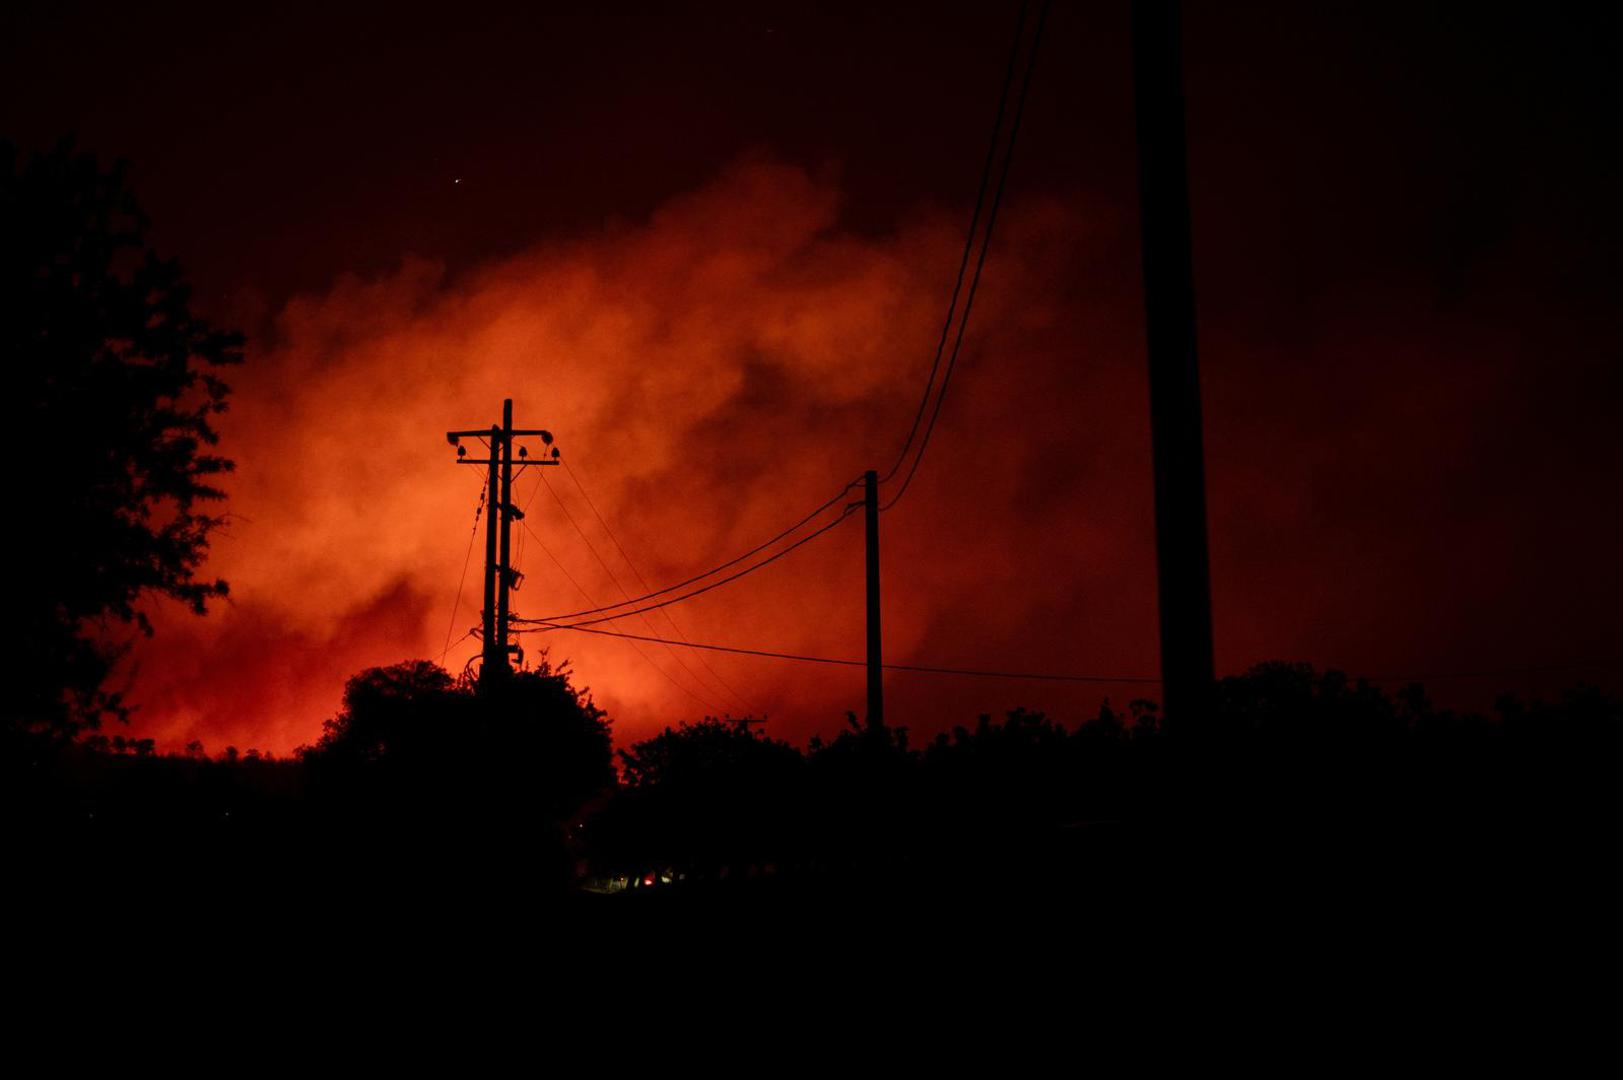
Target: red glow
{"type": "Point", "coordinates": [714, 372]}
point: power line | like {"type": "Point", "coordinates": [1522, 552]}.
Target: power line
{"type": "Point", "coordinates": [969, 244]}
{"type": "Point", "coordinates": [552, 623]}
{"type": "Point", "coordinates": [615, 578]}
{"type": "Point", "coordinates": [725, 685]}
{"type": "Point", "coordinates": [924, 400]}
{"type": "Point", "coordinates": [591, 600]}
{"type": "Point", "coordinates": [466, 562]}
{"type": "Point", "coordinates": [465, 636]}
{"type": "Point", "coordinates": [925, 669]}
{"type": "Point", "coordinates": [980, 262]}
{"type": "Point", "coordinates": [534, 491]}
{"type": "Point", "coordinates": [1062, 677]}
{"type": "Point", "coordinates": [717, 569]}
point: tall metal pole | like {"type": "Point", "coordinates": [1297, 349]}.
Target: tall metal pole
{"type": "Point", "coordinates": [1169, 309]}
{"type": "Point", "coordinates": [876, 663]}
{"type": "Point", "coordinates": [492, 653]}
{"type": "Point", "coordinates": [504, 571]}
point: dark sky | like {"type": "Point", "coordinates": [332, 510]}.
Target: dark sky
{"type": "Point", "coordinates": [278, 148]}
{"type": "Point", "coordinates": [1407, 244]}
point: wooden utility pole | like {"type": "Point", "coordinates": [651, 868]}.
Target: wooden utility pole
{"type": "Point", "coordinates": [492, 656]}
{"type": "Point", "coordinates": [1169, 308]}
{"type": "Point", "coordinates": [876, 662]}
{"type": "Point", "coordinates": [505, 567]}
{"type": "Point", "coordinates": [500, 577]}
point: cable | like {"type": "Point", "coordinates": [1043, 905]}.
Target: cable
{"type": "Point", "coordinates": [1058, 677]}
{"type": "Point", "coordinates": [466, 635]}
{"type": "Point", "coordinates": [552, 623]}
{"type": "Point", "coordinates": [615, 578]}
{"type": "Point", "coordinates": [980, 262]}
{"type": "Point", "coordinates": [716, 570]}
{"type": "Point", "coordinates": [969, 243]}
{"type": "Point", "coordinates": [535, 489]}
{"type": "Point", "coordinates": [466, 562]}
{"type": "Point", "coordinates": [723, 683]}
{"type": "Point", "coordinates": [582, 590]}
{"type": "Point", "coordinates": [1039, 676]}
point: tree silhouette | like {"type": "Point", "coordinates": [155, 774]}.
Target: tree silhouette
{"type": "Point", "coordinates": [718, 796]}
{"type": "Point", "coordinates": [116, 387]}
{"type": "Point", "coordinates": [447, 787]}
{"type": "Point", "coordinates": [412, 742]}
{"type": "Point", "coordinates": [396, 714]}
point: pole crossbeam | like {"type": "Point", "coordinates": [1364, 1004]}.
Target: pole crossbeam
{"type": "Point", "coordinates": [517, 464]}
{"type": "Point", "coordinates": [516, 432]}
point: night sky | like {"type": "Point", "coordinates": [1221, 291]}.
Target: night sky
{"type": "Point", "coordinates": [711, 250]}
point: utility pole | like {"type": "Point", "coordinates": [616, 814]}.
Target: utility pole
{"type": "Point", "coordinates": [500, 577]}
{"type": "Point", "coordinates": [492, 658]}
{"type": "Point", "coordinates": [1185, 594]}
{"type": "Point", "coordinates": [505, 567]}
{"type": "Point", "coordinates": [876, 663]}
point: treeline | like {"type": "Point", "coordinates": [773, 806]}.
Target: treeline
{"type": "Point", "coordinates": [421, 786]}
{"type": "Point", "coordinates": [1288, 759]}
{"type": "Point", "coordinates": [426, 782]}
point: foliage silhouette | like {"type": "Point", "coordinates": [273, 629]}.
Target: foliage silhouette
{"type": "Point", "coordinates": [424, 787]}
{"type": "Point", "coordinates": [1295, 762]}
{"type": "Point", "coordinates": [117, 382]}
{"type": "Point", "coordinates": [866, 792]}
{"type": "Point", "coordinates": [443, 788]}
{"type": "Point", "coordinates": [412, 741]}
{"type": "Point", "coordinates": [709, 799]}
{"type": "Point", "coordinates": [529, 739]}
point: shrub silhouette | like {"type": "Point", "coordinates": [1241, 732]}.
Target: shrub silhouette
{"type": "Point", "coordinates": [411, 739]}
{"type": "Point", "coordinates": [703, 799]}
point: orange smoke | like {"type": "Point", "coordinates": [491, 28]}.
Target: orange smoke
{"type": "Point", "coordinates": [710, 374]}
{"type": "Point", "coordinates": [1382, 473]}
